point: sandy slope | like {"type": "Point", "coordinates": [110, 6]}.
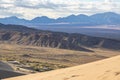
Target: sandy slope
{"type": "Point", "coordinates": [108, 69]}
{"type": "Point", "coordinates": [8, 74]}
{"type": "Point", "coordinates": [7, 71]}
{"type": "Point", "coordinates": [5, 66]}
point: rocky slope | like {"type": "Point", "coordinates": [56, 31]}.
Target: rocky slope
{"type": "Point", "coordinates": [22, 35]}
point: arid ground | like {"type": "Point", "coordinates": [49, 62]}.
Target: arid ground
{"type": "Point", "coordinates": [31, 59]}
{"type": "Point", "coordinates": [107, 69]}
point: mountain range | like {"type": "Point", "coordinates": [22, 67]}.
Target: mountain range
{"type": "Point", "coordinates": [107, 18]}
{"type": "Point", "coordinates": [17, 34]}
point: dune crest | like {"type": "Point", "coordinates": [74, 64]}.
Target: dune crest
{"type": "Point", "coordinates": [107, 69]}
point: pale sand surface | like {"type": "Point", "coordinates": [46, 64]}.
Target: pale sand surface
{"type": "Point", "coordinates": [107, 69]}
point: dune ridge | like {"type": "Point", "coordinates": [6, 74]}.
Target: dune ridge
{"type": "Point", "coordinates": [107, 69]}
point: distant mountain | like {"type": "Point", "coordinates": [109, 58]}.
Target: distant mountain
{"type": "Point", "coordinates": [13, 20]}
{"type": "Point", "coordinates": [108, 18]}
{"type": "Point", "coordinates": [74, 19]}
{"type": "Point", "coordinates": [42, 19]}
{"type": "Point", "coordinates": [16, 34]}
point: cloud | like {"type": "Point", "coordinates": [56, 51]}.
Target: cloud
{"type": "Point", "coordinates": [37, 4]}
{"type": "Point", "coordinates": [55, 8]}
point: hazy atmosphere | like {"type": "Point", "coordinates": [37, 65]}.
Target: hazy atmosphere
{"type": "Point", "coordinates": [30, 9]}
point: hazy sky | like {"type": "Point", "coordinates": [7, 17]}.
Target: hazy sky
{"type": "Point", "coordinates": [56, 8]}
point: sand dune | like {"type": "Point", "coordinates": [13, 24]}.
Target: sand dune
{"type": "Point", "coordinates": [8, 74]}
{"type": "Point", "coordinates": [7, 71]}
{"type": "Point", "coordinates": [108, 69]}
{"type": "Point", "coordinates": [5, 66]}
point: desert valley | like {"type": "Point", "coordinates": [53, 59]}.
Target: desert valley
{"type": "Point", "coordinates": [28, 51]}
{"type": "Point", "coordinates": [59, 40]}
